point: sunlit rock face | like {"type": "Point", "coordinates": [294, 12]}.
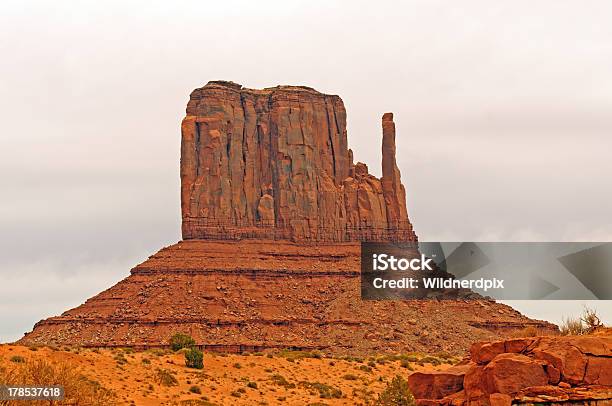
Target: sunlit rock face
{"type": "Point", "coordinates": [275, 163]}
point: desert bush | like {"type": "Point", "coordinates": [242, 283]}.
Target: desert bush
{"type": "Point", "coordinates": [350, 377]}
{"type": "Point", "coordinates": [180, 340]}
{"type": "Point", "coordinates": [591, 320]}
{"type": "Point", "coordinates": [430, 360]}
{"type": "Point", "coordinates": [237, 365]}
{"type": "Point", "coordinates": [194, 358]}
{"type": "Point", "coordinates": [164, 377]}
{"type": "Point", "coordinates": [17, 359]}
{"type": "Point", "coordinates": [445, 355]}
{"type": "Point", "coordinates": [325, 391]}
{"type": "Point", "coordinates": [78, 388]}
{"type": "Point", "coordinates": [406, 364]}
{"type": "Point", "coordinates": [195, 389]}
{"type": "Point", "coordinates": [587, 323]}
{"type": "Point", "coordinates": [120, 359]}
{"type": "Point", "coordinates": [571, 326]}
{"type": "Point", "coordinates": [529, 331]}
{"type": "Point", "coordinates": [396, 393]}
{"type": "Point", "coordinates": [252, 385]}
{"type": "Point", "coordinates": [280, 380]}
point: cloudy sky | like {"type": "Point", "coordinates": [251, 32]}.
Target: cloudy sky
{"type": "Point", "coordinates": [503, 112]}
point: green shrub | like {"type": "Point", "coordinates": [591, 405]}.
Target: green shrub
{"type": "Point", "coordinates": [396, 393]}
{"type": "Point", "coordinates": [120, 359]}
{"type": "Point", "coordinates": [325, 391]}
{"type": "Point", "coordinates": [445, 355]}
{"type": "Point", "coordinates": [180, 340]}
{"type": "Point", "coordinates": [430, 360]}
{"type": "Point", "coordinates": [281, 381]}
{"type": "Point", "coordinates": [406, 364]}
{"type": "Point", "coordinates": [194, 358]}
{"type": "Point", "coordinates": [17, 359]}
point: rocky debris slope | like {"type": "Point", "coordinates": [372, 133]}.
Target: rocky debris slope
{"type": "Point", "coordinates": [275, 163]}
{"type": "Point", "coordinates": [551, 369]}
{"type": "Point", "coordinates": [252, 295]}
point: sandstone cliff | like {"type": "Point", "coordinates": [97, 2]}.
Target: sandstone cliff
{"type": "Point", "coordinates": [265, 164]}
{"type": "Point", "coordinates": [275, 163]}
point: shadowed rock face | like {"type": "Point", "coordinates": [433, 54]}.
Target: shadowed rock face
{"type": "Point", "coordinates": [275, 163]}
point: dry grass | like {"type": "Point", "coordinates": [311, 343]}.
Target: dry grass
{"type": "Point", "coordinates": [39, 372]}
{"type": "Point", "coordinates": [588, 323]}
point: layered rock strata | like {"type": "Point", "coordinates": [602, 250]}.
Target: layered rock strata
{"type": "Point", "coordinates": [275, 163]}
{"type": "Point", "coordinates": [252, 295]}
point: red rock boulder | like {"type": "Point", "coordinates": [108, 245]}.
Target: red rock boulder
{"type": "Point", "coordinates": [437, 384]}
{"type": "Point", "coordinates": [532, 370]}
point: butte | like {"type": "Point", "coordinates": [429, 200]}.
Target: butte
{"type": "Point", "coordinates": [273, 213]}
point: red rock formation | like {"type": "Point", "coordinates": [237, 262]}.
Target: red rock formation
{"type": "Point", "coordinates": [251, 295]}
{"type": "Point", "coordinates": [275, 163]}
{"type": "Point", "coordinates": [538, 369]}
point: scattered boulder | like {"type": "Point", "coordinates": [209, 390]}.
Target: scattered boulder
{"type": "Point", "coordinates": [509, 373]}
{"type": "Point", "coordinates": [438, 384]}
{"type": "Point", "coordinates": [526, 370]}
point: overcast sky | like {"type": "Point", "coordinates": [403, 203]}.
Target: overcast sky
{"type": "Point", "coordinates": [503, 114]}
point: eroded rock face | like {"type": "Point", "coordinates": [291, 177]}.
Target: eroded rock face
{"type": "Point", "coordinates": [275, 163]}
{"type": "Point", "coordinates": [527, 370]}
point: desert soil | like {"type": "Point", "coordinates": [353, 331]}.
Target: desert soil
{"type": "Point", "coordinates": [248, 379]}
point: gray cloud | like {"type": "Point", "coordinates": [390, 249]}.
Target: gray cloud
{"type": "Point", "coordinates": [502, 110]}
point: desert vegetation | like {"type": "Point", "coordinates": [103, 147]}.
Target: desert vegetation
{"type": "Point", "coordinates": [179, 341]}
{"type": "Point", "coordinates": [157, 376]}
{"type": "Point", "coordinates": [194, 358]}
{"type": "Point", "coordinates": [79, 389]}
{"type": "Point", "coordinates": [396, 393]}
{"type": "Point", "coordinates": [587, 323]}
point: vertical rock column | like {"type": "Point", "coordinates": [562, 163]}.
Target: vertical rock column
{"type": "Point", "coordinates": [393, 190]}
